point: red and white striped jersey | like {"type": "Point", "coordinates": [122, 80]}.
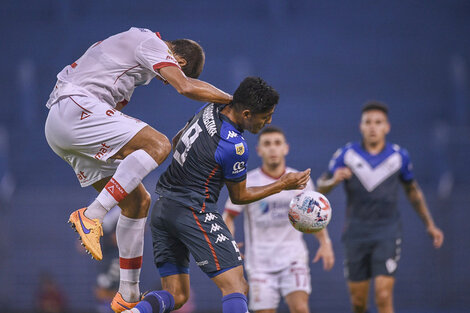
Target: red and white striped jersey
{"type": "Point", "coordinates": [111, 69]}
{"type": "Point", "coordinates": [271, 243]}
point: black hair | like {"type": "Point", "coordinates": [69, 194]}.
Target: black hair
{"type": "Point", "coordinates": [270, 130]}
{"type": "Point", "coordinates": [375, 105]}
{"type": "Point", "coordinates": [193, 53]}
{"type": "Point", "coordinates": [256, 95]}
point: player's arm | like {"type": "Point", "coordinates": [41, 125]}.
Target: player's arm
{"type": "Point", "coordinates": [325, 251]}
{"type": "Point", "coordinates": [177, 137]}
{"type": "Point", "coordinates": [417, 200]}
{"type": "Point", "coordinates": [193, 88]}
{"type": "Point", "coordinates": [240, 194]}
{"type": "Point", "coordinates": [326, 182]}
{"type": "Point", "coordinates": [229, 219]}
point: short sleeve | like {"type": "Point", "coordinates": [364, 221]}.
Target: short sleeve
{"type": "Point", "coordinates": [337, 160]}
{"type": "Point", "coordinates": [233, 209]}
{"type": "Point", "coordinates": [310, 185]}
{"type": "Point", "coordinates": [406, 170]}
{"type": "Point", "coordinates": [154, 54]}
{"type": "Point", "coordinates": [232, 156]}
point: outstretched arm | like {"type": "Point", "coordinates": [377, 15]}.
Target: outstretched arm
{"type": "Point", "coordinates": [325, 184]}
{"type": "Point", "coordinates": [417, 200]}
{"type": "Point", "coordinates": [193, 88]}
{"type": "Point", "coordinates": [240, 194]}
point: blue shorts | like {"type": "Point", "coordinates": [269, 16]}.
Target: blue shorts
{"type": "Point", "coordinates": [178, 230]}
{"type": "Point", "coordinates": [364, 260]}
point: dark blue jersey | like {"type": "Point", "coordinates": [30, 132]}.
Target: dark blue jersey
{"type": "Point", "coordinates": [210, 151]}
{"type": "Point", "coordinates": [372, 191]}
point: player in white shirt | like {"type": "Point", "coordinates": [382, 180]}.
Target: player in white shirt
{"type": "Point", "coordinates": [276, 256]}
{"type": "Point", "coordinates": [111, 151]}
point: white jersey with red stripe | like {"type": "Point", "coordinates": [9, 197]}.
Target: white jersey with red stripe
{"type": "Point", "coordinates": [111, 69]}
{"type": "Point", "coordinates": [271, 243]}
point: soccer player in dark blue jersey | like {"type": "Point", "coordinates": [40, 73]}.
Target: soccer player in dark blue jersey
{"type": "Point", "coordinates": [209, 151]}
{"type": "Point", "coordinates": [372, 172]}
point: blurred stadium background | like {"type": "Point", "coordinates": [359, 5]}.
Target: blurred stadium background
{"type": "Point", "coordinates": [326, 58]}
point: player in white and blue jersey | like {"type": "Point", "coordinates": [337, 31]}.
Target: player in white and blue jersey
{"type": "Point", "coordinates": [209, 151]}
{"type": "Point", "coordinates": [372, 172]}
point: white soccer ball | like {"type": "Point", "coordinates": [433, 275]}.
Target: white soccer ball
{"type": "Point", "coordinates": [309, 212]}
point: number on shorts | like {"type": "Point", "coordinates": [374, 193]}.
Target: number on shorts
{"type": "Point", "coordinates": [237, 250]}
{"type": "Point", "coordinates": [187, 139]}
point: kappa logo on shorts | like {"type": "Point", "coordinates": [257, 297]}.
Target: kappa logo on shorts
{"type": "Point", "coordinates": [221, 238]}
{"type": "Point", "coordinates": [215, 227]}
{"type": "Point", "coordinates": [210, 217]}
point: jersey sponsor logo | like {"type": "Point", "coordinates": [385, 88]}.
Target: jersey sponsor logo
{"type": "Point", "coordinates": [239, 148]}
{"type": "Point", "coordinates": [202, 263]}
{"type": "Point", "coordinates": [208, 120]}
{"type": "Point", "coordinates": [210, 217]}
{"type": "Point", "coordinates": [238, 167]}
{"type": "Point", "coordinates": [221, 238]}
{"type": "Point", "coordinates": [371, 177]}
{"type": "Point", "coordinates": [84, 115]}
{"type": "Point", "coordinates": [110, 112]}
{"type": "Point", "coordinates": [215, 227]}
{"type": "Point", "coordinates": [104, 148]}
{"type": "Point", "coordinates": [169, 57]}
{"type": "Point", "coordinates": [81, 176]}
{"type": "Point", "coordinates": [231, 134]}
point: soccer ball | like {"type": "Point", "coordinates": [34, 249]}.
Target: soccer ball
{"type": "Point", "coordinates": [309, 212]}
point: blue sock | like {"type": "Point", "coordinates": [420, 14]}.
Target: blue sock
{"type": "Point", "coordinates": [156, 302]}
{"type": "Point", "coordinates": [234, 303]}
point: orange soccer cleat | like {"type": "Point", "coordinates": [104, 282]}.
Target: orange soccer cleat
{"type": "Point", "coordinates": [90, 231]}
{"type": "Point", "coordinates": [118, 304]}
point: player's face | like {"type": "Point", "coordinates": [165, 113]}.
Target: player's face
{"type": "Point", "coordinates": [374, 126]}
{"type": "Point", "coordinates": [255, 122]}
{"type": "Point", "coordinates": [272, 148]}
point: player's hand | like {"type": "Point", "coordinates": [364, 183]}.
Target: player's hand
{"type": "Point", "coordinates": [437, 236]}
{"type": "Point", "coordinates": [341, 174]}
{"type": "Point", "coordinates": [298, 180]}
{"type": "Point", "coordinates": [325, 252]}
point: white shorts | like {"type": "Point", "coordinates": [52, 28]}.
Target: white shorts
{"type": "Point", "coordinates": [266, 289]}
{"type": "Point", "coordinates": [86, 132]}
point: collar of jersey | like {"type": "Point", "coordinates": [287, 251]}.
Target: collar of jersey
{"type": "Point", "coordinates": [225, 118]}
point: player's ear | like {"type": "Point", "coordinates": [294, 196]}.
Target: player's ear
{"type": "Point", "coordinates": [287, 149]}
{"type": "Point", "coordinates": [387, 129]}
{"type": "Point", "coordinates": [246, 113]}
{"type": "Point", "coordinates": [181, 61]}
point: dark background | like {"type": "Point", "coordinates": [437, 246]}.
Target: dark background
{"type": "Point", "coordinates": [326, 58]}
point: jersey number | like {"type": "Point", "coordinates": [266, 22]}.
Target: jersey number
{"type": "Point", "coordinates": [187, 139]}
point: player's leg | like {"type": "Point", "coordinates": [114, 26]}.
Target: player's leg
{"type": "Point", "coordinates": [358, 271]}
{"type": "Point", "coordinates": [298, 302]}
{"type": "Point", "coordinates": [358, 294]}
{"type": "Point", "coordinates": [234, 289]}
{"type": "Point", "coordinates": [130, 241]}
{"type": "Point", "coordinates": [384, 293]}
{"type": "Point", "coordinates": [385, 259]}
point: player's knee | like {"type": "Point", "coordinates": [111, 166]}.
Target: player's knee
{"type": "Point", "coordinates": [159, 148]}
{"type": "Point", "coordinates": [359, 302]}
{"type": "Point", "coordinates": [145, 200]}
{"type": "Point", "coordinates": [181, 296]}
{"type": "Point", "coordinates": [238, 285]}
{"type": "Point", "coordinates": [299, 307]}
{"type": "Point", "coordinates": [383, 298]}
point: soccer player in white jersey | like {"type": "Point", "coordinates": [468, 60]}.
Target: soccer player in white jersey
{"type": "Point", "coordinates": [111, 151]}
{"type": "Point", "coordinates": [372, 171]}
{"type": "Point", "coordinates": [276, 256]}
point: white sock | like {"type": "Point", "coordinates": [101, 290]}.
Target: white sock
{"type": "Point", "coordinates": [130, 240]}
{"type": "Point", "coordinates": [128, 176]}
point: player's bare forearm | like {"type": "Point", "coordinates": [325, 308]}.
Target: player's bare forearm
{"type": "Point", "coordinates": [240, 194]}
{"type": "Point", "coordinates": [202, 91]}
{"type": "Point", "coordinates": [229, 221]}
{"type": "Point", "coordinates": [417, 200]}
{"type": "Point", "coordinates": [323, 237]}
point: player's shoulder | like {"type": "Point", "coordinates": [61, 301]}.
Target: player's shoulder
{"type": "Point", "coordinates": [230, 133]}
{"type": "Point", "coordinates": [343, 149]}
{"type": "Point", "coordinates": [291, 170]}
{"type": "Point", "coordinates": [254, 173]}
{"type": "Point", "coordinates": [397, 148]}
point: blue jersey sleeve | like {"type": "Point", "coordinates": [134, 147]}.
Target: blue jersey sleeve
{"type": "Point", "coordinates": [337, 160]}
{"type": "Point", "coordinates": [232, 155]}
{"type": "Point", "coordinates": [406, 171]}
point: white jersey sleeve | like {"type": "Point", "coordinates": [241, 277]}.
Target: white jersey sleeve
{"type": "Point", "coordinates": [233, 208]}
{"type": "Point", "coordinates": [154, 54]}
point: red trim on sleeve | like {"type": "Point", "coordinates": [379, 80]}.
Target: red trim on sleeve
{"type": "Point", "coordinates": [158, 35]}
{"type": "Point", "coordinates": [130, 264]}
{"type": "Point", "coordinates": [73, 65]}
{"type": "Point", "coordinates": [233, 212]}
{"type": "Point", "coordinates": [163, 64]}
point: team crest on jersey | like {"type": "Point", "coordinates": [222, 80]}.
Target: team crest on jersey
{"type": "Point", "coordinates": [239, 148]}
